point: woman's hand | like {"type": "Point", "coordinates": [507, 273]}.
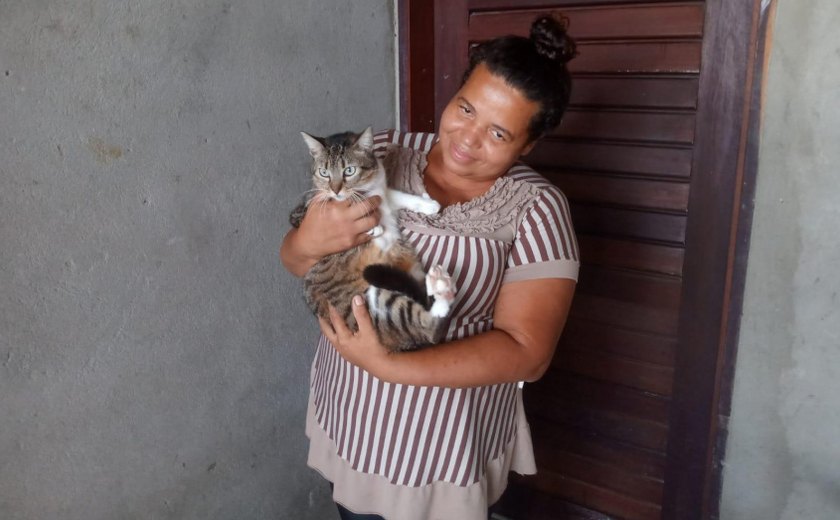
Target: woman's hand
{"type": "Point", "coordinates": [361, 348]}
{"type": "Point", "coordinates": [328, 227]}
{"type": "Point", "coordinates": [332, 226]}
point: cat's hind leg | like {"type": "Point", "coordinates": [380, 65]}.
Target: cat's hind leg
{"type": "Point", "coordinates": [404, 320]}
{"type": "Point", "coordinates": [441, 288]}
{"type": "Point", "coordinates": [401, 322]}
{"type": "Point", "coordinates": [387, 277]}
{"type": "Point", "coordinates": [438, 286]}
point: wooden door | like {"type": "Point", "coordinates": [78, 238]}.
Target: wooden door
{"type": "Point", "coordinates": [654, 155]}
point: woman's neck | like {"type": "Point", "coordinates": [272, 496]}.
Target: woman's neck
{"type": "Point", "coordinates": [446, 188]}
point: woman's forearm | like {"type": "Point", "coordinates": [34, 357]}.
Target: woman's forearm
{"type": "Point", "coordinates": [489, 358]}
{"type": "Point", "coordinates": [293, 257]}
{"type": "Point", "coordinates": [527, 321]}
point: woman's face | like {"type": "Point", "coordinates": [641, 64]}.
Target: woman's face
{"type": "Point", "coordinates": [484, 128]}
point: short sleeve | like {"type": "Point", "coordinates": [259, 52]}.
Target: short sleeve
{"type": "Point", "coordinates": [545, 245]}
{"type": "Point", "coordinates": [384, 139]}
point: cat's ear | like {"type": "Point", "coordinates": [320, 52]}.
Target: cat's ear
{"type": "Point", "coordinates": [316, 147]}
{"type": "Point", "coordinates": [365, 140]}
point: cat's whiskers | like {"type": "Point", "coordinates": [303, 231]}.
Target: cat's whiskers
{"type": "Point", "coordinates": [321, 199]}
{"type": "Point", "coordinates": [322, 194]}
{"type": "Point", "coordinates": [359, 198]}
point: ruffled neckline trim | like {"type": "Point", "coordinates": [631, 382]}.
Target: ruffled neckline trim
{"type": "Point", "coordinates": [500, 205]}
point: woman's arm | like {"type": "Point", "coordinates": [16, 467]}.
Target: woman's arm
{"type": "Point", "coordinates": [327, 228]}
{"type": "Point", "coordinates": [528, 319]}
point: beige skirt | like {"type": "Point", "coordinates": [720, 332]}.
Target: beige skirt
{"type": "Point", "coordinates": [374, 494]}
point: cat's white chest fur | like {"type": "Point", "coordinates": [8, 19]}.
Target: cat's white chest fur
{"type": "Point", "coordinates": [387, 233]}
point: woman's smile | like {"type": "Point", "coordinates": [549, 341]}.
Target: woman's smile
{"type": "Point", "coordinates": [460, 154]}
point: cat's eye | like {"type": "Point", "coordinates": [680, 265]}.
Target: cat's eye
{"type": "Point", "coordinates": [323, 172]}
{"type": "Point", "coordinates": [349, 171]}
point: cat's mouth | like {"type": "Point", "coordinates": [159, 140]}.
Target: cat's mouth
{"type": "Point", "coordinates": [348, 194]}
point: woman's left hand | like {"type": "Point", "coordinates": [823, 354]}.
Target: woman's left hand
{"type": "Point", "coordinates": [361, 348]}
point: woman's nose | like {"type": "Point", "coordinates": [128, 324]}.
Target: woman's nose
{"type": "Point", "coordinates": [470, 136]}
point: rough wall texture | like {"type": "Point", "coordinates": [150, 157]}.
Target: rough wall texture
{"type": "Point", "coordinates": [783, 454]}
{"type": "Point", "coordinates": [154, 355]}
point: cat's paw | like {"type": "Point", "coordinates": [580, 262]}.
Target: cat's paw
{"type": "Point", "coordinates": [376, 231]}
{"type": "Point", "coordinates": [439, 285]}
{"type": "Point", "coordinates": [426, 205]}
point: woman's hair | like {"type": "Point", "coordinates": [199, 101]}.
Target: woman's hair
{"type": "Point", "coordinates": [536, 66]}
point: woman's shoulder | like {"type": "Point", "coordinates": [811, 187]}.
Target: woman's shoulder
{"type": "Point", "coordinates": [538, 186]}
{"type": "Point", "coordinates": [387, 141]}
{"type": "Point", "coordinates": [521, 172]}
{"type": "Point", "coordinates": [403, 155]}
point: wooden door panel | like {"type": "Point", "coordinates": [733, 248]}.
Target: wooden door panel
{"type": "Point", "coordinates": [633, 316]}
{"type": "Point", "coordinates": [625, 223]}
{"type": "Point", "coordinates": [615, 426]}
{"type": "Point", "coordinates": [628, 254]}
{"type": "Point", "coordinates": [644, 463]}
{"type": "Point", "coordinates": [615, 369]}
{"type": "Point", "coordinates": [635, 92]}
{"type": "Point", "coordinates": [629, 286]}
{"type": "Point", "coordinates": [638, 57]}
{"type": "Point", "coordinates": [610, 502]}
{"type": "Point", "coordinates": [683, 20]}
{"type": "Point", "coordinates": [638, 126]}
{"type": "Point", "coordinates": [622, 191]}
{"type": "Point", "coordinates": [562, 5]}
{"type": "Point", "coordinates": [601, 394]}
{"type": "Point", "coordinates": [630, 344]}
{"type": "Point", "coordinates": [605, 476]}
{"type": "Point", "coordinates": [659, 161]}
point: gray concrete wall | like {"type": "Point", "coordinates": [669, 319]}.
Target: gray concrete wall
{"type": "Point", "coordinates": [783, 454]}
{"type": "Point", "coordinates": [154, 355]}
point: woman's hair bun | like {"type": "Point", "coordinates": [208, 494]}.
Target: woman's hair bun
{"type": "Point", "coordinates": [552, 40]}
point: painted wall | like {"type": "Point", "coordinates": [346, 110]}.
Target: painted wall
{"type": "Point", "coordinates": [154, 355]}
{"type": "Point", "coordinates": [783, 453]}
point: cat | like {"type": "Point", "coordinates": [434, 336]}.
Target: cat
{"type": "Point", "coordinates": [406, 304]}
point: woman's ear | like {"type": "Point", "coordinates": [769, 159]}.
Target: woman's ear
{"type": "Point", "coordinates": [528, 148]}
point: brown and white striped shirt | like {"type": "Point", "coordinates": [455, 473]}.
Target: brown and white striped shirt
{"type": "Point", "coordinates": [416, 436]}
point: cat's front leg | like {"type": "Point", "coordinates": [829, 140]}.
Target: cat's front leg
{"type": "Point", "coordinates": [419, 203]}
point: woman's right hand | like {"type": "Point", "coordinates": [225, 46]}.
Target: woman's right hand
{"type": "Point", "coordinates": [328, 227]}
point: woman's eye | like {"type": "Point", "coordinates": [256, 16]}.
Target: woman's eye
{"type": "Point", "coordinates": [350, 170]}
{"type": "Point", "coordinates": [323, 172]}
{"type": "Point", "coordinates": [466, 110]}
{"type": "Point", "coordinates": [497, 135]}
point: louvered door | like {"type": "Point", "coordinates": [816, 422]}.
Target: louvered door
{"type": "Point", "coordinates": [625, 421]}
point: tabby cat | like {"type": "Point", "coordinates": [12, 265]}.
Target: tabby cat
{"type": "Point", "coordinates": [406, 304]}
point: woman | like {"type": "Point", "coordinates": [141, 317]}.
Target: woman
{"type": "Point", "coordinates": [433, 433]}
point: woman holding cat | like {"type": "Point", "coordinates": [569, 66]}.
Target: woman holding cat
{"type": "Point", "coordinates": [433, 433]}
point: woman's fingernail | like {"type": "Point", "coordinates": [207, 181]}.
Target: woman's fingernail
{"type": "Point", "coordinates": [357, 300]}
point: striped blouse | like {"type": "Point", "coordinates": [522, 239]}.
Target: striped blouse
{"type": "Point", "coordinates": [371, 437]}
